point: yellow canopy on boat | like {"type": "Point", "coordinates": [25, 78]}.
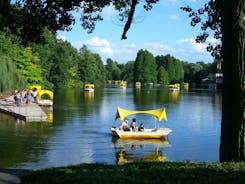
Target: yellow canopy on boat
{"type": "Point", "coordinates": [38, 87]}
{"type": "Point", "coordinates": [159, 114]}
{"type": "Point", "coordinates": [89, 86]}
{"type": "Point", "coordinates": [49, 93]}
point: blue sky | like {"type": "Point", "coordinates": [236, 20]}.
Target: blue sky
{"type": "Point", "coordinates": [163, 30]}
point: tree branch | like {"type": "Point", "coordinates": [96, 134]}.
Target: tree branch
{"type": "Point", "coordinates": [130, 18]}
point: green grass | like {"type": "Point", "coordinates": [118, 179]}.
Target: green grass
{"type": "Point", "coordinates": [150, 172]}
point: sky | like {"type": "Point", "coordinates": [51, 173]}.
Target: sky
{"type": "Point", "coordinates": [163, 30]}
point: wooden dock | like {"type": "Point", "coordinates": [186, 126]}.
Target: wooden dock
{"type": "Point", "coordinates": [26, 112]}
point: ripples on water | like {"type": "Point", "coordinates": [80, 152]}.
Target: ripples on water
{"type": "Point", "coordinates": [80, 131]}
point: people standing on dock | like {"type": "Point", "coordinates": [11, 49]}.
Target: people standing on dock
{"type": "Point", "coordinates": [18, 98]}
{"type": "Point", "coordinates": [34, 94]}
{"type": "Point", "coordinates": [28, 96]}
{"type": "Point", "coordinates": [15, 97]}
{"type": "Point", "coordinates": [22, 94]}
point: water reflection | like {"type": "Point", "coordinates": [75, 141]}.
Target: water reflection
{"type": "Point", "coordinates": [22, 141]}
{"type": "Point", "coordinates": [80, 129]}
{"type": "Point", "coordinates": [174, 96]}
{"type": "Point", "coordinates": [146, 96]}
{"type": "Point", "coordinates": [88, 97]}
{"type": "Point", "coordinates": [137, 150]}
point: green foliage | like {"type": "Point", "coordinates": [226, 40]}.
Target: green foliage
{"type": "Point", "coordinates": [10, 78]}
{"type": "Point", "coordinates": [113, 71]}
{"type": "Point", "coordinates": [9, 45]}
{"type": "Point", "coordinates": [209, 17]}
{"type": "Point", "coordinates": [195, 72]}
{"type": "Point", "coordinates": [173, 68]}
{"type": "Point", "coordinates": [58, 61]}
{"type": "Point", "coordinates": [128, 72]}
{"type": "Point", "coordinates": [28, 66]}
{"type": "Point", "coordinates": [168, 172]}
{"type": "Point", "coordinates": [145, 67]}
{"type": "Point", "coordinates": [162, 76]}
{"type": "Point", "coordinates": [91, 68]}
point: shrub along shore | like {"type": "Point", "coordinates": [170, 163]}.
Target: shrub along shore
{"type": "Point", "coordinates": [148, 172]}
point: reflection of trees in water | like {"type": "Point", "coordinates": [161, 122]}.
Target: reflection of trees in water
{"type": "Point", "coordinates": [69, 102]}
{"type": "Point", "coordinates": [21, 141]}
{"type": "Point", "coordinates": [88, 97]}
{"type": "Point", "coordinates": [174, 96]}
{"type": "Point", "coordinates": [148, 96]}
{"type": "Point", "coordinates": [145, 96]}
{"type": "Point", "coordinates": [139, 150]}
{"type": "Point", "coordinates": [91, 102]}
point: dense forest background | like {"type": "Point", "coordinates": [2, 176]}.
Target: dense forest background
{"type": "Point", "coordinates": [32, 54]}
{"type": "Point", "coordinates": [56, 63]}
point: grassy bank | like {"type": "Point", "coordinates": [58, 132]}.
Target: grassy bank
{"type": "Point", "coordinates": [168, 172]}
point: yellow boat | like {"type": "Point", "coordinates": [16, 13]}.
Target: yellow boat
{"type": "Point", "coordinates": [35, 87]}
{"type": "Point", "coordinates": [45, 98]}
{"type": "Point", "coordinates": [138, 84]}
{"type": "Point", "coordinates": [123, 84]}
{"type": "Point", "coordinates": [89, 87]}
{"type": "Point", "coordinates": [154, 133]}
{"type": "Point", "coordinates": [174, 87]}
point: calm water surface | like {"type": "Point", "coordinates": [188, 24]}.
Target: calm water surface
{"type": "Point", "coordinates": [80, 130]}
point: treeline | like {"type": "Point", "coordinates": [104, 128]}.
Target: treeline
{"type": "Point", "coordinates": [56, 63]}
{"type": "Point", "coordinates": [32, 54]}
{"type": "Point", "coordinates": [161, 70]}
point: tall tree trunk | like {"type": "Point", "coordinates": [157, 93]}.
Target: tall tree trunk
{"type": "Point", "coordinates": [233, 112]}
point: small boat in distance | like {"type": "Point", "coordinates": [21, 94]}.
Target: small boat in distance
{"type": "Point", "coordinates": [45, 98]}
{"type": "Point", "coordinates": [123, 84]}
{"type": "Point", "coordinates": [152, 133]}
{"type": "Point", "coordinates": [89, 87]}
{"type": "Point", "coordinates": [174, 87]}
{"type": "Point", "coordinates": [137, 84]}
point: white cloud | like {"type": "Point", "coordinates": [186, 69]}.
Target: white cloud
{"type": "Point", "coordinates": [108, 12]}
{"type": "Point", "coordinates": [61, 37]}
{"type": "Point", "coordinates": [190, 45]}
{"type": "Point", "coordinates": [96, 45]}
{"type": "Point", "coordinates": [189, 50]}
{"type": "Point", "coordinates": [185, 49]}
{"type": "Point", "coordinates": [157, 48]}
{"type": "Point", "coordinates": [101, 45]}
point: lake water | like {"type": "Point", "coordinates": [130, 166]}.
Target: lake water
{"type": "Point", "coordinates": [80, 130]}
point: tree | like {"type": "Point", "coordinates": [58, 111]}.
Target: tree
{"type": "Point", "coordinates": [113, 71]}
{"type": "Point", "coordinates": [28, 66]}
{"type": "Point", "coordinates": [57, 15]}
{"type": "Point", "coordinates": [227, 19]}
{"type": "Point", "coordinates": [173, 66]}
{"type": "Point", "coordinates": [162, 76]}
{"type": "Point", "coordinates": [128, 72]}
{"type": "Point", "coordinates": [145, 67]}
{"type": "Point", "coordinates": [232, 146]}
{"type": "Point", "coordinates": [58, 61]}
{"type": "Point", "coordinates": [10, 78]}
{"type": "Point", "coordinates": [91, 68]}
